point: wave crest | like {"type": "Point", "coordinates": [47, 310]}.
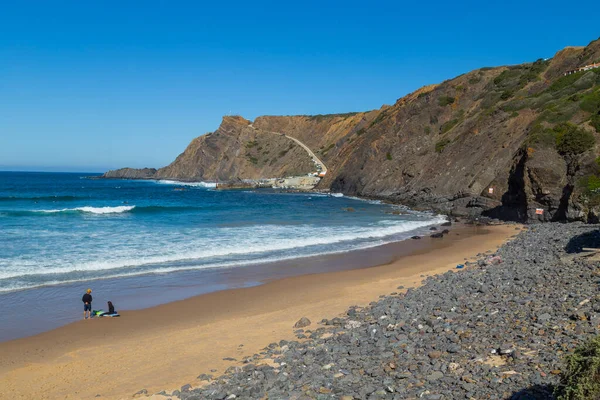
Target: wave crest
{"type": "Point", "coordinates": [91, 210]}
{"type": "Point", "coordinates": [291, 242]}
{"type": "Point", "coordinates": [193, 184]}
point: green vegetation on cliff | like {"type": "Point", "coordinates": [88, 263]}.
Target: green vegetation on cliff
{"type": "Point", "coordinates": [595, 122]}
{"type": "Point", "coordinates": [439, 146]}
{"type": "Point", "coordinates": [322, 117]}
{"type": "Point", "coordinates": [445, 100]}
{"type": "Point", "coordinates": [573, 140]}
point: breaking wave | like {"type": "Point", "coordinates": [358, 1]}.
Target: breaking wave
{"type": "Point", "coordinates": [239, 246]}
{"type": "Point", "coordinates": [90, 210]}
{"type": "Point", "coordinates": [103, 210]}
{"type": "Point", "coordinates": [94, 210]}
{"type": "Point", "coordinates": [193, 184]}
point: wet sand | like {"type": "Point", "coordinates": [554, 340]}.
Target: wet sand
{"type": "Point", "coordinates": [167, 346]}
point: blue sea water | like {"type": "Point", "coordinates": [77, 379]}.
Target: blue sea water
{"type": "Point", "coordinates": [143, 243]}
{"type": "Point", "coordinates": [65, 227]}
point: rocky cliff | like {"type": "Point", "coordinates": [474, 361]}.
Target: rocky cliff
{"type": "Point", "coordinates": [234, 151]}
{"type": "Point", "coordinates": [506, 142]}
{"type": "Point", "coordinates": [131, 173]}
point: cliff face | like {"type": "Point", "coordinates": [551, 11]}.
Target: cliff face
{"type": "Point", "coordinates": [236, 150]}
{"type": "Point", "coordinates": [499, 141]}
{"type": "Point", "coordinates": [322, 133]}
{"type": "Point", "coordinates": [484, 142]}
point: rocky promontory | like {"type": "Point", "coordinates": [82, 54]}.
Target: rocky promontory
{"type": "Point", "coordinates": [498, 329]}
{"type": "Point", "coordinates": [234, 151]}
{"type": "Point", "coordinates": [131, 173]}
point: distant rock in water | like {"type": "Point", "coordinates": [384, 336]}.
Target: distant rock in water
{"type": "Point", "coordinates": [130, 173]}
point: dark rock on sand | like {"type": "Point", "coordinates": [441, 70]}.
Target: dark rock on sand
{"type": "Point", "coordinates": [186, 388]}
{"type": "Point", "coordinates": [302, 322]}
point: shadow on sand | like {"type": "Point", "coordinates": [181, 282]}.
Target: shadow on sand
{"type": "Point", "coordinates": [585, 240]}
{"type": "Point", "coordinates": [536, 392]}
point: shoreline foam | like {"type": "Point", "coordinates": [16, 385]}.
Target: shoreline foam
{"type": "Point", "coordinates": [188, 260]}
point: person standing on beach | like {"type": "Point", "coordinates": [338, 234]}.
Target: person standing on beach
{"type": "Point", "coordinates": [87, 304]}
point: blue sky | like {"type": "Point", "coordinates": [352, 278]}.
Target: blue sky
{"type": "Point", "coordinates": [90, 85]}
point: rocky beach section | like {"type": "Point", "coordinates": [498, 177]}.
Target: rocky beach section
{"type": "Point", "coordinates": [497, 329]}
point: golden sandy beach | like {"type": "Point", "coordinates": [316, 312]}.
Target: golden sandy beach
{"type": "Point", "coordinates": [165, 347]}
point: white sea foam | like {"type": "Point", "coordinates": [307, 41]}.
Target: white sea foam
{"type": "Point", "coordinates": [233, 242]}
{"type": "Point", "coordinates": [337, 194]}
{"type": "Point", "coordinates": [194, 184]}
{"type": "Point", "coordinates": [364, 200]}
{"type": "Point", "coordinates": [123, 273]}
{"type": "Point", "coordinates": [157, 269]}
{"type": "Point", "coordinates": [92, 210]}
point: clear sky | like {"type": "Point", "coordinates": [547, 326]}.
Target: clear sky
{"type": "Point", "coordinates": [96, 84]}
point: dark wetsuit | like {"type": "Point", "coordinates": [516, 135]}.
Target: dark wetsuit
{"type": "Point", "coordinates": [87, 298]}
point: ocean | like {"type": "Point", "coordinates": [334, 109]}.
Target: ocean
{"type": "Point", "coordinates": [163, 240]}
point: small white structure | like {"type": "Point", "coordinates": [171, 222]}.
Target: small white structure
{"type": "Point", "coordinates": [584, 68]}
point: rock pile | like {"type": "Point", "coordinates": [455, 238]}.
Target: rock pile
{"type": "Point", "coordinates": [499, 329]}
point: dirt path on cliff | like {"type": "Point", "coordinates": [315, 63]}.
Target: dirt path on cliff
{"type": "Point", "coordinates": [316, 159]}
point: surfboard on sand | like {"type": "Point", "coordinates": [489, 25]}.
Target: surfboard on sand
{"type": "Point", "coordinates": [102, 313]}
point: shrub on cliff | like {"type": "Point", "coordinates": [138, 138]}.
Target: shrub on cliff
{"type": "Point", "coordinates": [475, 79]}
{"type": "Point", "coordinates": [580, 379]}
{"type": "Point", "coordinates": [572, 140]}
{"type": "Point", "coordinates": [439, 146]}
{"type": "Point", "coordinates": [565, 81]}
{"type": "Point", "coordinates": [595, 122]}
{"type": "Point", "coordinates": [445, 100]}
{"type": "Point", "coordinates": [591, 102]}
{"type": "Point", "coordinates": [448, 125]}
{"type": "Point", "coordinates": [539, 136]}
{"type": "Point", "coordinates": [589, 184]}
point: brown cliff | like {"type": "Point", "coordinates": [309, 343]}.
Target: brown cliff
{"type": "Point", "coordinates": [236, 150]}
{"type": "Point", "coordinates": [498, 141]}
